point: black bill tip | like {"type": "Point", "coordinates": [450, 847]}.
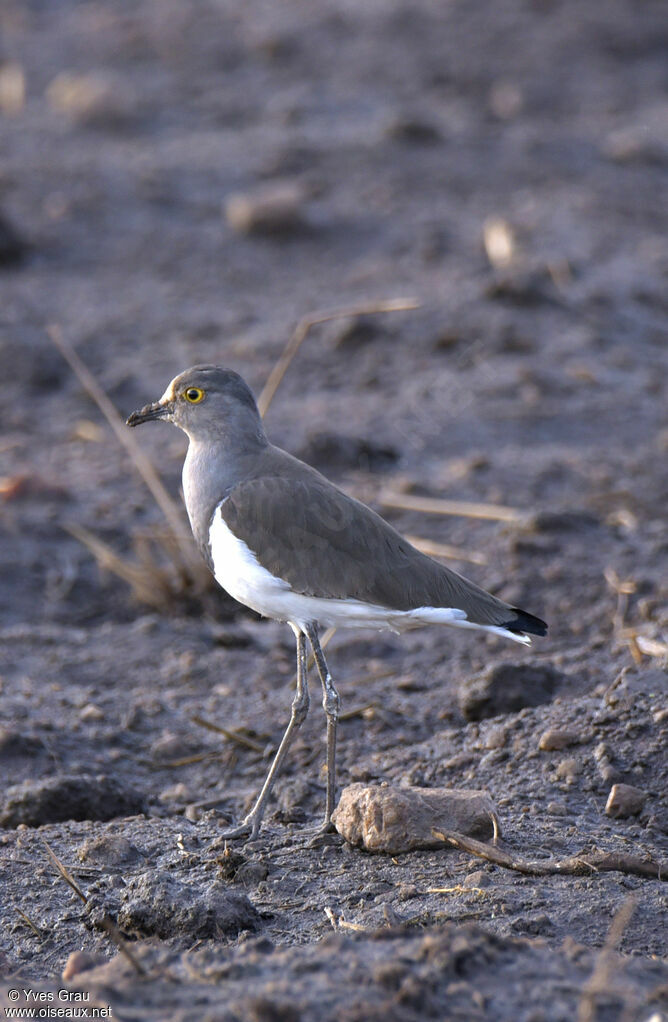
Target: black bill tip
{"type": "Point", "coordinates": [148, 412]}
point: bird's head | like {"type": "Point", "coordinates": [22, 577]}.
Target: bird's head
{"type": "Point", "coordinates": [208, 403]}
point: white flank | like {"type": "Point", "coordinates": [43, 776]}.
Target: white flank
{"type": "Point", "coordinates": [238, 571]}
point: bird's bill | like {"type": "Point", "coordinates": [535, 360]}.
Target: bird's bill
{"type": "Point", "coordinates": [158, 410]}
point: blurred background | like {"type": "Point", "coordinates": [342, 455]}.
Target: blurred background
{"type": "Point", "coordinates": [183, 182]}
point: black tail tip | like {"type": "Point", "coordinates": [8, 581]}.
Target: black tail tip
{"type": "Point", "coordinates": [523, 622]}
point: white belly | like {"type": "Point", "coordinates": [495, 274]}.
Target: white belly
{"type": "Point", "coordinates": [238, 571]}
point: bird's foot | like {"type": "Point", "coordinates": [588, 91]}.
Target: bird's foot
{"type": "Point", "coordinates": [249, 827]}
{"type": "Point", "coordinates": [325, 834]}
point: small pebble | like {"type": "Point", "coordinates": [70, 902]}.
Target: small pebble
{"type": "Point", "coordinates": [499, 241]}
{"type": "Point", "coordinates": [109, 850]}
{"type": "Point", "coordinates": [80, 961]}
{"type": "Point", "coordinates": [554, 739]}
{"type": "Point", "coordinates": [496, 738]}
{"type": "Point", "coordinates": [624, 800]}
{"type": "Point", "coordinates": [568, 769]}
{"type": "Point", "coordinates": [476, 879]}
{"type": "Point", "coordinates": [176, 793]}
{"type": "Point", "coordinates": [276, 209]}
{"type": "Point", "coordinates": [92, 99]}
{"type": "Point", "coordinates": [556, 809]}
{"type": "Point", "coordinates": [91, 712]}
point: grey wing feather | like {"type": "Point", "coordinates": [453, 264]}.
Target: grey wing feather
{"type": "Point", "coordinates": [326, 544]}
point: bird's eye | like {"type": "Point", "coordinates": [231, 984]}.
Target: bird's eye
{"type": "Point", "coordinates": [194, 395]}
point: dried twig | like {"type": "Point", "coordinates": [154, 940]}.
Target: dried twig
{"type": "Point", "coordinates": [603, 977]}
{"type": "Point", "coordinates": [339, 923]}
{"type": "Point", "coordinates": [232, 736]}
{"type": "Point", "coordinates": [125, 437]}
{"type": "Point", "coordinates": [433, 548]}
{"type": "Point", "coordinates": [312, 319]}
{"type": "Point", "coordinates": [28, 921]}
{"type": "Point", "coordinates": [65, 874]}
{"type": "Point", "coordinates": [357, 711]}
{"type": "Point", "coordinates": [106, 922]}
{"type": "Point", "coordinates": [150, 587]}
{"type": "Point", "coordinates": [574, 865]}
{"type": "Point", "coordinates": [437, 506]}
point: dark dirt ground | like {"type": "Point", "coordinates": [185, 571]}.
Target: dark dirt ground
{"type": "Point", "coordinates": [540, 384]}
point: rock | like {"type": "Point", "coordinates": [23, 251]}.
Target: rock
{"type": "Point", "coordinates": [499, 241]}
{"type": "Point", "coordinates": [413, 129]}
{"type": "Point", "coordinates": [476, 879]}
{"type": "Point", "coordinates": [555, 739]}
{"type": "Point", "coordinates": [109, 850]}
{"type": "Point", "coordinates": [624, 800]}
{"type": "Point", "coordinates": [276, 209]}
{"type": "Point", "coordinates": [568, 770]}
{"type": "Point", "coordinates": [13, 247]}
{"type": "Point", "coordinates": [387, 818]}
{"type": "Point", "coordinates": [79, 797]}
{"type": "Point", "coordinates": [12, 87]}
{"type": "Point", "coordinates": [91, 712]}
{"type": "Point", "coordinates": [507, 688]}
{"type": "Point", "coordinates": [158, 905]}
{"type": "Point", "coordinates": [178, 792]}
{"type": "Point", "coordinates": [16, 745]}
{"type": "Point", "coordinates": [603, 758]}
{"type": "Point", "coordinates": [78, 962]}
{"type": "Point", "coordinates": [496, 738]}
{"type": "Point", "coordinates": [169, 747]}
{"type": "Point", "coordinates": [528, 287]}
{"type": "Point", "coordinates": [93, 99]}
{"type": "Point", "coordinates": [632, 682]}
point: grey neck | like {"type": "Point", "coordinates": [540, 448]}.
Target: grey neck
{"type": "Point", "coordinates": [211, 470]}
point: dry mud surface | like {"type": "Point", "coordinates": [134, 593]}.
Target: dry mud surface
{"type": "Point", "coordinates": [388, 134]}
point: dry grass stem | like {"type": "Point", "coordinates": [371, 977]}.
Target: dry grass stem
{"type": "Point", "coordinates": [312, 319]}
{"type": "Point", "coordinates": [65, 874]}
{"type": "Point", "coordinates": [149, 586]}
{"type": "Point", "coordinates": [602, 979]}
{"type": "Point", "coordinates": [232, 736]}
{"type": "Point", "coordinates": [107, 923]}
{"type": "Point", "coordinates": [357, 711]}
{"type": "Point", "coordinates": [638, 643]}
{"type": "Point", "coordinates": [437, 506]}
{"type": "Point", "coordinates": [452, 553]}
{"type": "Point", "coordinates": [169, 508]}
{"type": "Point", "coordinates": [574, 865]}
{"type": "Point", "coordinates": [339, 923]}
{"type": "Point", "coordinates": [174, 764]}
{"type": "Point", "coordinates": [28, 921]}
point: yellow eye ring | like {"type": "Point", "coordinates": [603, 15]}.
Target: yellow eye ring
{"type": "Point", "coordinates": [193, 395]}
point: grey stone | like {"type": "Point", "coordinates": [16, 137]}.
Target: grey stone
{"type": "Point", "coordinates": [276, 209]}
{"type": "Point", "coordinates": [79, 797]}
{"type": "Point", "coordinates": [555, 739]}
{"type": "Point", "coordinates": [625, 800]}
{"type": "Point", "coordinates": [155, 905]}
{"type": "Point", "coordinates": [507, 688]}
{"type": "Point", "coordinates": [387, 818]}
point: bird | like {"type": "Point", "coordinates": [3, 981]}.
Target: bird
{"type": "Point", "coordinates": [283, 540]}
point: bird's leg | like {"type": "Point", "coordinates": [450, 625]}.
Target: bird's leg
{"type": "Point", "coordinates": [331, 704]}
{"type": "Point", "coordinates": [250, 825]}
